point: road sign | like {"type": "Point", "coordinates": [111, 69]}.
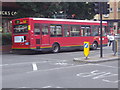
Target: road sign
{"type": "Point", "coordinates": [86, 49]}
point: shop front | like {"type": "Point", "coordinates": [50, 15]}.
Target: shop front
{"type": "Point", "coordinates": [8, 12]}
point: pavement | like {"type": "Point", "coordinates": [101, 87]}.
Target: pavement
{"type": "Point", "coordinates": [96, 59]}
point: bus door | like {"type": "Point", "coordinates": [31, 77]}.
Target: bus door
{"type": "Point", "coordinates": [45, 35]}
{"type": "Point", "coordinates": [37, 35]}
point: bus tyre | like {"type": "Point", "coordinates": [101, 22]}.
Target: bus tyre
{"type": "Point", "coordinates": [55, 48]}
{"type": "Point", "coordinates": [94, 46]}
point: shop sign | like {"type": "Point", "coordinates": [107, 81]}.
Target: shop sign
{"type": "Point", "coordinates": [8, 13]}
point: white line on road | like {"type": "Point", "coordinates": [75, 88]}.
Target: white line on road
{"type": "Point", "coordinates": [22, 63]}
{"type": "Point", "coordinates": [47, 87]}
{"type": "Point", "coordinates": [110, 81]}
{"type": "Point", "coordinates": [60, 68]}
{"type": "Point", "coordinates": [107, 66]}
{"type": "Point", "coordinates": [34, 66]}
{"type": "Point", "coordinates": [74, 66]}
{"type": "Point", "coordinates": [50, 60]}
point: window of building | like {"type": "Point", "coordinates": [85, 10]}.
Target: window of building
{"type": "Point", "coordinates": [56, 31]}
{"type": "Point", "coordinates": [75, 31]}
{"type": "Point", "coordinates": [111, 9]}
{"type": "Point", "coordinates": [118, 10]}
{"type": "Point", "coordinates": [36, 28]}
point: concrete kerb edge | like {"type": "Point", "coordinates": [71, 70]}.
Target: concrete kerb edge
{"type": "Point", "coordinates": [95, 61]}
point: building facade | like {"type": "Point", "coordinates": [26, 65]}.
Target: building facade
{"type": "Point", "coordinates": [9, 10]}
{"type": "Point", "coordinates": [113, 18]}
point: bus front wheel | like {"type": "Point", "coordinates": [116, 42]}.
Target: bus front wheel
{"type": "Point", "coordinates": [55, 48]}
{"type": "Point", "coordinates": [94, 46]}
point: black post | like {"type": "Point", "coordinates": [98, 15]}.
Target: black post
{"type": "Point", "coordinates": [101, 49]}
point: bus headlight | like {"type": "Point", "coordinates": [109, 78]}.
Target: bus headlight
{"type": "Point", "coordinates": [27, 43]}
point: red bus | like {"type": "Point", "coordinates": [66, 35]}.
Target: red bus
{"type": "Point", "coordinates": [43, 34]}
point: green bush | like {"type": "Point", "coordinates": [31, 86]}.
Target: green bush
{"type": "Point", "coordinates": [6, 39]}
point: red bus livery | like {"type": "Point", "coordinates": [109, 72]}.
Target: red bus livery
{"type": "Point", "coordinates": [43, 34]}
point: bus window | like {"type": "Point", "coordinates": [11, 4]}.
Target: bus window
{"type": "Point", "coordinates": [52, 31]}
{"type": "Point", "coordinates": [85, 31]}
{"type": "Point", "coordinates": [66, 31]}
{"type": "Point", "coordinates": [56, 31]}
{"type": "Point", "coordinates": [36, 28]}
{"type": "Point", "coordinates": [104, 30]}
{"type": "Point", "coordinates": [95, 30]}
{"type": "Point", "coordinates": [75, 31]}
{"type": "Point", "coordinates": [23, 28]}
{"type": "Point", "coordinates": [44, 30]}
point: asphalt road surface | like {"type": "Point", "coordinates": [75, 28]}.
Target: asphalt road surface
{"type": "Point", "coordinates": [58, 70]}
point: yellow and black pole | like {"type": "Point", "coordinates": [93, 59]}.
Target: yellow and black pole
{"type": "Point", "coordinates": [86, 49]}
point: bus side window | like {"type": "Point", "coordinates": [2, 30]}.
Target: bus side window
{"type": "Point", "coordinates": [56, 31]}
{"type": "Point", "coordinates": [95, 31]}
{"type": "Point", "coordinates": [85, 31]}
{"type": "Point", "coordinates": [44, 30]}
{"type": "Point", "coordinates": [36, 28]}
{"type": "Point", "coordinates": [75, 31]}
{"type": "Point", "coordinates": [52, 31]}
{"type": "Point", "coordinates": [66, 31]}
{"type": "Point", "coordinates": [59, 31]}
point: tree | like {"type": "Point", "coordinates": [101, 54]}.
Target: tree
{"type": "Point", "coordinates": [76, 10]}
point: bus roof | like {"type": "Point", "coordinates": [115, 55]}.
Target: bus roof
{"type": "Point", "coordinates": [68, 20]}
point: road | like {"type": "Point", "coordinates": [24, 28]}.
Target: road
{"type": "Point", "coordinates": [58, 70]}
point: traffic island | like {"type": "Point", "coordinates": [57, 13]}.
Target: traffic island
{"type": "Point", "coordinates": [96, 59]}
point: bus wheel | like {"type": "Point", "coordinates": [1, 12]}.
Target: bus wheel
{"type": "Point", "coordinates": [94, 46]}
{"type": "Point", "coordinates": [55, 48]}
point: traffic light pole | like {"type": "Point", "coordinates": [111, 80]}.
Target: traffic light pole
{"type": "Point", "coordinates": [101, 49]}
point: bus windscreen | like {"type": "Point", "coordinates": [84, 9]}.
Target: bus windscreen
{"type": "Point", "coordinates": [23, 28]}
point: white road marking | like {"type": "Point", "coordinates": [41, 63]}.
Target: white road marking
{"type": "Point", "coordinates": [110, 81]}
{"type": "Point", "coordinates": [75, 66]}
{"type": "Point", "coordinates": [59, 68]}
{"type": "Point", "coordinates": [109, 74]}
{"type": "Point", "coordinates": [47, 87]}
{"type": "Point", "coordinates": [34, 66]}
{"type": "Point", "coordinates": [97, 74]}
{"type": "Point", "coordinates": [22, 63]}
{"type": "Point", "coordinates": [107, 66]}
{"type": "Point", "coordinates": [50, 60]}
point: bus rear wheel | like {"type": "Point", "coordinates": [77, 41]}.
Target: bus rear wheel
{"type": "Point", "coordinates": [55, 48]}
{"type": "Point", "coordinates": [94, 46]}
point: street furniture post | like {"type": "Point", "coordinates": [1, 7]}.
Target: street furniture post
{"type": "Point", "coordinates": [86, 49]}
{"type": "Point", "coordinates": [115, 47]}
{"type": "Point", "coordinates": [101, 49]}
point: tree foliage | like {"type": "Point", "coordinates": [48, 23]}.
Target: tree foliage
{"type": "Point", "coordinates": [81, 10]}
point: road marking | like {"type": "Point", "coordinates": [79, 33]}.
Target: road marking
{"type": "Point", "coordinates": [51, 60]}
{"type": "Point", "coordinates": [97, 74]}
{"type": "Point", "coordinates": [34, 66]}
{"type": "Point", "coordinates": [74, 66]}
{"type": "Point", "coordinates": [47, 87]}
{"type": "Point", "coordinates": [60, 68]}
{"type": "Point", "coordinates": [22, 63]}
{"type": "Point", "coordinates": [110, 81]}
{"type": "Point", "coordinates": [107, 66]}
